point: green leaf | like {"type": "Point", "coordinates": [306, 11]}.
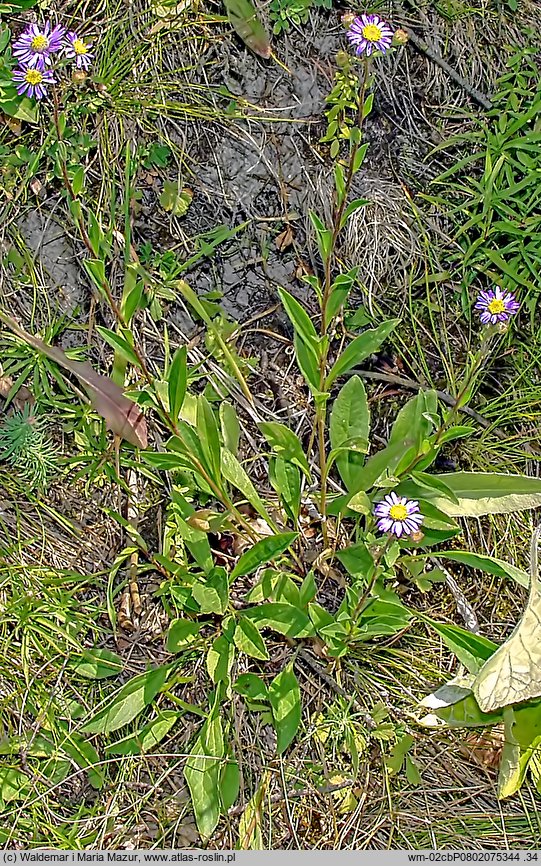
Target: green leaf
{"type": "Point", "coordinates": [78, 180]}
{"type": "Point", "coordinates": [209, 437]}
{"type": "Point", "coordinates": [128, 702]}
{"type": "Point", "coordinates": [308, 364]}
{"type": "Point", "coordinates": [251, 686]}
{"type": "Point", "coordinates": [85, 756]}
{"type": "Point", "coordinates": [359, 349]}
{"type": "Point", "coordinates": [353, 206]}
{"type": "Point", "coordinates": [148, 737]}
{"type": "Point", "coordinates": [340, 290]}
{"type": "Point", "coordinates": [229, 784]}
{"type": "Point", "coordinates": [131, 302]}
{"type": "Point", "coordinates": [397, 756]}
{"type": "Point", "coordinates": [182, 632]}
{"type": "Point", "coordinates": [96, 664]}
{"type": "Point", "coordinates": [220, 658]}
{"type": "Point", "coordinates": [230, 426]}
{"type": "Point", "coordinates": [470, 649]}
{"type": "Point", "coordinates": [522, 732]}
{"type": "Point", "coordinates": [14, 785]}
{"type": "Point", "coordinates": [213, 596]}
{"type": "Point", "coordinates": [285, 701]}
{"type": "Point", "coordinates": [95, 269]}
{"type": "Point", "coordinates": [454, 704]}
{"type": "Point", "coordinates": [119, 344]}
{"type": "Point", "coordinates": [245, 21]}
{"type": "Point", "coordinates": [480, 493]}
{"type": "Point", "coordinates": [286, 443]}
{"type": "Point", "coordinates": [380, 618]}
{"type": "Point", "coordinates": [488, 564]}
{"type": "Point", "coordinates": [350, 423]}
{"type": "Point", "coordinates": [248, 640]}
{"type": "Point", "coordinates": [301, 321]}
{"type": "Point", "coordinates": [234, 473]}
{"type": "Point", "coordinates": [368, 103]}
{"type": "Point", "coordinates": [263, 552]}
{"type": "Point", "coordinates": [197, 543]}
{"type": "Point", "coordinates": [284, 618]}
{"type": "Point", "coordinates": [323, 235]}
{"type": "Point", "coordinates": [286, 480]}
{"type": "Point", "coordinates": [177, 382]}
{"type": "Point", "coordinates": [21, 108]}
{"type": "Point", "coordinates": [202, 773]}
{"type": "Point", "coordinates": [357, 560]}
{"type": "Point", "coordinates": [174, 198]}
{"type": "Point", "coordinates": [415, 421]}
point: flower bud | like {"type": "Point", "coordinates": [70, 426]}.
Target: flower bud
{"type": "Point", "coordinates": [347, 19]}
{"type": "Point", "coordinates": [400, 37]}
{"type": "Point", "coordinates": [417, 536]}
{"type": "Point", "coordinates": [78, 77]}
{"type": "Point", "coordinates": [342, 59]}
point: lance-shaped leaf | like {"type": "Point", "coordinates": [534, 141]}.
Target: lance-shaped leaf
{"type": "Point", "coordinates": [244, 19]}
{"type": "Point", "coordinates": [121, 414]}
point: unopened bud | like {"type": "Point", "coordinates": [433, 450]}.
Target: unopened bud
{"type": "Point", "coordinates": [400, 37]}
{"type": "Point", "coordinates": [347, 19]}
{"type": "Point", "coordinates": [417, 536]}
{"type": "Point", "coordinates": [342, 59]}
{"type": "Point", "coordinates": [501, 327]}
{"type": "Point", "coordinates": [78, 77]}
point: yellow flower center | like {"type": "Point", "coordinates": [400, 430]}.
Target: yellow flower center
{"type": "Point", "coordinates": [79, 46]}
{"type": "Point", "coordinates": [39, 43]}
{"type": "Point", "coordinates": [398, 512]}
{"type": "Point", "coordinates": [372, 33]}
{"type": "Point", "coordinates": [496, 306]}
{"type": "Point", "coordinates": [33, 76]}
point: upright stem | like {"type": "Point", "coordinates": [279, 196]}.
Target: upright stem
{"type": "Point", "coordinates": [321, 406]}
{"type": "Point", "coordinates": [104, 285]}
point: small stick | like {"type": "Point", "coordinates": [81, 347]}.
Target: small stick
{"type": "Point", "coordinates": [422, 46]}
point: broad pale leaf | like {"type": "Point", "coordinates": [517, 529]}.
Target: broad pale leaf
{"type": "Point", "coordinates": [513, 673]}
{"type": "Point", "coordinates": [480, 493]}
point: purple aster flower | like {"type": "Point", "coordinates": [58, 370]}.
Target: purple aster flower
{"type": "Point", "coordinates": [369, 33]}
{"type": "Point", "coordinates": [34, 46]}
{"type": "Point", "coordinates": [76, 48]}
{"type": "Point", "coordinates": [32, 81]}
{"type": "Point", "coordinates": [398, 515]}
{"type": "Point", "coordinates": [496, 306]}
